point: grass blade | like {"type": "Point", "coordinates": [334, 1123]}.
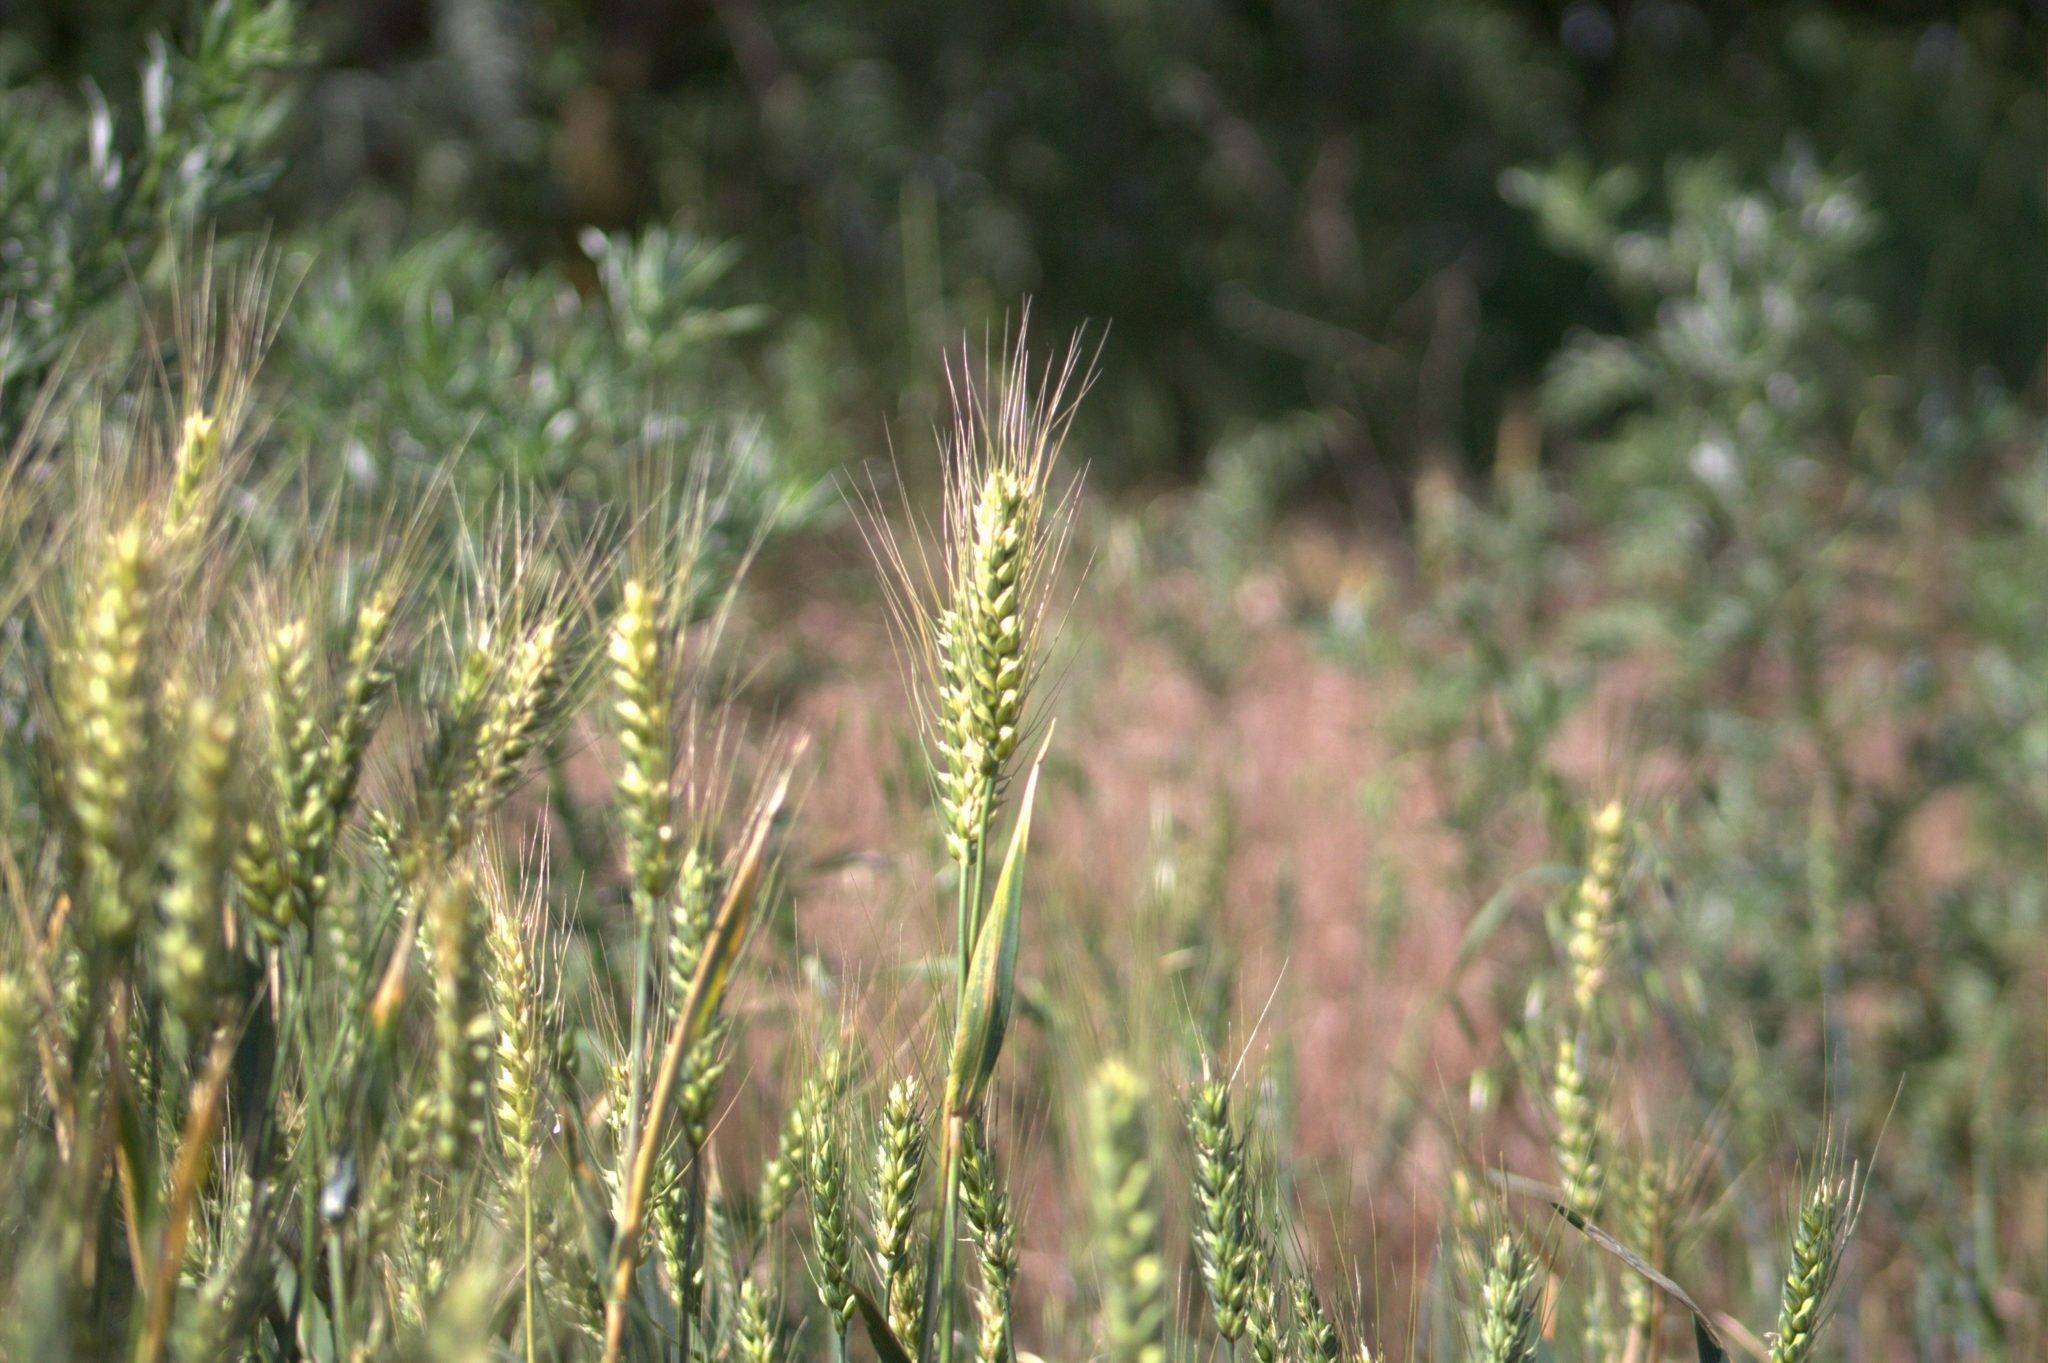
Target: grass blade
{"type": "Point", "coordinates": [992, 980]}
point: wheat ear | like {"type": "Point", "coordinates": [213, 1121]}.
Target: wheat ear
{"type": "Point", "coordinates": [1126, 1217]}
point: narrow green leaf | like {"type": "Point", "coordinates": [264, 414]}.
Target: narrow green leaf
{"type": "Point", "coordinates": [1495, 911]}
{"type": "Point", "coordinates": [887, 1347]}
{"type": "Point", "coordinates": [721, 952]}
{"type": "Point", "coordinates": [1709, 1344]}
{"type": "Point", "coordinates": [991, 980]}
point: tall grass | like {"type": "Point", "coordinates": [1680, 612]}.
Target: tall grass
{"type": "Point", "coordinates": [307, 1052]}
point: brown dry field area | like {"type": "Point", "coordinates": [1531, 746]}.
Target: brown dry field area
{"type": "Point", "coordinates": [1183, 704]}
{"type": "Point", "coordinates": [1289, 741]}
{"type": "Point", "coordinates": [1188, 705]}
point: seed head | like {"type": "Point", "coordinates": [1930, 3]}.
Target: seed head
{"type": "Point", "coordinates": [1126, 1218]}
{"type": "Point", "coordinates": [1827, 1218]}
{"type": "Point", "coordinates": [105, 712]}
{"type": "Point", "coordinates": [973, 622]}
{"type": "Point", "coordinates": [785, 1172]}
{"type": "Point", "coordinates": [831, 1227]}
{"type": "Point", "coordinates": [1316, 1333]}
{"type": "Point", "coordinates": [515, 1002]}
{"type": "Point", "coordinates": [754, 1325]}
{"type": "Point", "coordinates": [1509, 1326]}
{"type": "Point", "coordinates": [1578, 1139]}
{"type": "Point", "coordinates": [1223, 1225]}
{"type": "Point", "coordinates": [899, 1162]}
{"type": "Point", "coordinates": [465, 1032]}
{"type": "Point", "coordinates": [995, 1237]}
{"type": "Point", "coordinates": [645, 787]}
{"type": "Point", "coordinates": [188, 946]}
{"type": "Point", "coordinates": [518, 709]}
{"type": "Point", "coordinates": [1592, 928]}
{"type": "Point", "coordinates": [17, 1048]}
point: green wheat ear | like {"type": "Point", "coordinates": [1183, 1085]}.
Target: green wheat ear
{"type": "Point", "coordinates": [105, 718]}
{"type": "Point", "coordinates": [987, 1205]}
{"type": "Point", "coordinates": [784, 1173]}
{"type": "Point", "coordinates": [1315, 1333]}
{"type": "Point", "coordinates": [188, 947]}
{"type": "Point", "coordinates": [1509, 1324]}
{"type": "Point", "coordinates": [17, 1050]}
{"type": "Point", "coordinates": [1223, 1227]}
{"type": "Point", "coordinates": [754, 1325]}
{"type": "Point", "coordinates": [899, 1162]}
{"type": "Point", "coordinates": [1591, 941]}
{"type": "Point", "coordinates": [465, 1035]}
{"type": "Point", "coordinates": [1126, 1216]}
{"type": "Point", "coordinates": [639, 654]}
{"type": "Point", "coordinates": [973, 621]}
{"type": "Point", "coordinates": [1827, 1218]}
{"type": "Point", "coordinates": [1005, 534]}
{"type": "Point", "coordinates": [827, 1182]}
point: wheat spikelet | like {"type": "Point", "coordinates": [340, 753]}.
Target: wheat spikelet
{"type": "Point", "coordinates": [276, 863]}
{"type": "Point", "coordinates": [1223, 1227]}
{"type": "Point", "coordinates": [1126, 1217]}
{"type": "Point", "coordinates": [194, 460]}
{"type": "Point", "coordinates": [1262, 1319]}
{"type": "Point", "coordinates": [986, 1204]}
{"type": "Point", "coordinates": [1578, 1137]}
{"type": "Point", "coordinates": [783, 1175]}
{"type": "Point", "coordinates": [1313, 1328]}
{"type": "Point", "coordinates": [188, 943]}
{"type": "Point", "coordinates": [668, 1213]}
{"type": "Point", "coordinates": [516, 1006]}
{"type": "Point", "coordinates": [1509, 1325]}
{"type": "Point", "coordinates": [465, 1033]}
{"type": "Point", "coordinates": [971, 624]}
{"type": "Point", "coordinates": [715, 1287]}
{"type": "Point", "coordinates": [366, 681]}
{"type": "Point", "coordinates": [17, 1050]}
{"type": "Point", "coordinates": [1827, 1217]}
{"type": "Point", "coordinates": [1591, 939]}
{"type": "Point", "coordinates": [524, 695]}
{"type": "Point", "coordinates": [104, 712]}
{"type": "Point", "coordinates": [1004, 537]}
{"type": "Point", "coordinates": [754, 1325]}
{"type": "Point", "coordinates": [690, 907]}
{"type": "Point", "coordinates": [899, 1164]}
{"type": "Point", "coordinates": [218, 366]}
{"type": "Point", "coordinates": [645, 789]}
{"type": "Point", "coordinates": [1648, 1203]}
{"type": "Point", "coordinates": [826, 1183]}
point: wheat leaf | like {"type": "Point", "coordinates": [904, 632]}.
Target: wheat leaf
{"type": "Point", "coordinates": [1711, 1349]}
{"type": "Point", "coordinates": [991, 981]}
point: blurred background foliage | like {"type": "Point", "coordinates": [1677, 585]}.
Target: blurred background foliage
{"type": "Point", "coordinates": [1280, 207]}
